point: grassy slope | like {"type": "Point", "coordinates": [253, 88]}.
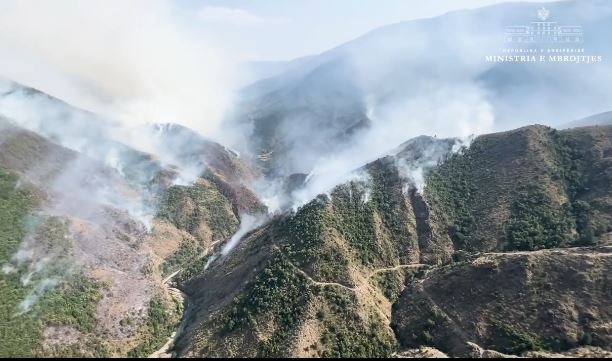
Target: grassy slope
{"type": "Point", "coordinates": [200, 210]}
{"type": "Point", "coordinates": [526, 190]}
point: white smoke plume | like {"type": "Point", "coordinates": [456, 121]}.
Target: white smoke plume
{"type": "Point", "coordinates": [126, 64]}
{"type": "Point", "coordinates": [460, 112]}
{"type": "Point", "coordinates": [247, 224]}
{"type": "Point", "coordinates": [107, 208]}
{"type": "Point", "coordinates": [424, 77]}
{"type": "Point", "coordinates": [40, 288]}
{"type": "Point", "coordinates": [417, 156]}
{"type": "Point", "coordinates": [134, 61]}
{"type": "Point", "coordinates": [42, 260]}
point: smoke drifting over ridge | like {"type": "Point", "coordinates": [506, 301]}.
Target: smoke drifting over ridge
{"type": "Point", "coordinates": [86, 213]}
{"type": "Point", "coordinates": [332, 113]}
{"type": "Point", "coordinates": [139, 154]}
{"type": "Point", "coordinates": [327, 116]}
{"type": "Point", "coordinates": [131, 61]}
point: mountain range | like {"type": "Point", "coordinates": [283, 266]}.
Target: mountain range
{"type": "Point", "coordinates": [355, 215]}
{"type": "Point", "coordinates": [426, 76]}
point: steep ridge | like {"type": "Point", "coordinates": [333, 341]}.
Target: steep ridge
{"type": "Point", "coordinates": [316, 276]}
{"type": "Point", "coordinates": [325, 280]}
{"type": "Point", "coordinates": [362, 270]}
{"type": "Point", "coordinates": [80, 296]}
{"type": "Point", "coordinates": [413, 70]}
{"type": "Point", "coordinates": [82, 273]}
{"type": "Point", "coordinates": [526, 189]}
{"type": "Point", "coordinates": [139, 153]}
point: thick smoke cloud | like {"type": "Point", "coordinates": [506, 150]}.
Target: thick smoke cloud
{"type": "Point", "coordinates": [126, 64]}
{"type": "Point", "coordinates": [133, 61]}
{"type": "Point", "coordinates": [426, 77]}
{"type": "Point", "coordinates": [138, 153]}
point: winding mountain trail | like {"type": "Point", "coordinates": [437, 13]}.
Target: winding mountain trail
{"type": "Point", "coordinates": [323, 284]}
{"type": "Point", "coordinates": [397, 268]}
{"type": "Point", "coordinates": [354, 289]}
{"type": "Point", "coordinates": [370, 275]}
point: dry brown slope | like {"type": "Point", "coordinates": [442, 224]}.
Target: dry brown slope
{"type": "Point", "coordinates": [511, 302]}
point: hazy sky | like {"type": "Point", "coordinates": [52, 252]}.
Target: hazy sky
{"type": "Point", "coordinates": [286, 29]}
{"type": "Point", "coordinates": [177, 60]}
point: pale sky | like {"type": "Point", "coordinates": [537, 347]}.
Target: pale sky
{"type": "Point", "coordinates": [177, 60]}
{"type": "Point", "coordinates": [286, 29]}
